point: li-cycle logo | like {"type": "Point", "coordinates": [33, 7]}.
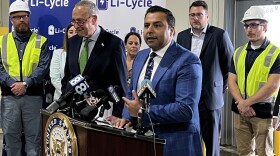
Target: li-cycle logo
{"type": "Point", "coordinates": [104, 4]}
{"type": "Point", "coordinates": [53, 30]}
{"type": "Point", "coordinates": [49, 3]}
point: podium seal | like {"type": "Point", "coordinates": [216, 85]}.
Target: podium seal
{"type": "Point", "coordinates": [59, 136]}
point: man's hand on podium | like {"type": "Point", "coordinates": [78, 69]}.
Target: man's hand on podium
{"type": "Point", "coordinates": [118, 122]}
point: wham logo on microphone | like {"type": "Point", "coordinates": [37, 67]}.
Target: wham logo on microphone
{"type": "Point", "coordinates": [80, 84]}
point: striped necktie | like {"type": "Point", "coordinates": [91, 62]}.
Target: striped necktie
{"type": "Point", "coordinates": [150, 66]}
{"type": "Point", "coordinates": [84, 55]}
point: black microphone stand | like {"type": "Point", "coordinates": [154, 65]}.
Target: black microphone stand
{"type": "Point", "coordinates": [146, 98]}
{"type": "Point", "coordinates": [72, 111]}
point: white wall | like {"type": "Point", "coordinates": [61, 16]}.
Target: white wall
{"type": "Point", "coordinates": [180, 9]}
{"type": "Point", "coordinates": [4, 13]}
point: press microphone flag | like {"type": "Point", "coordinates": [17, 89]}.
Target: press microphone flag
{"type": "Point", "coordinates": [146, 88]}
{"type": "Point", "coordinates": [80, 84]}
{"type": "Point", "coordinates": [113, 93]}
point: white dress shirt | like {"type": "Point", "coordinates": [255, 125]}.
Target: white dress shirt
{"type": "Point", "coordinates": [197, 41]}
{"type": "Point", "coordinates": [160, 53]}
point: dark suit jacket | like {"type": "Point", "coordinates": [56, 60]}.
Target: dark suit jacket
{"type": "Point", "coordinates": [106, 65]}
{"type": "Point", "coordinates": [177, 83]}
{"type": "Point", "coordinates": [215, 58]}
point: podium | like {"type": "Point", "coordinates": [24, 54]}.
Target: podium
{"type": "Point", "coordinates": [95, 140]}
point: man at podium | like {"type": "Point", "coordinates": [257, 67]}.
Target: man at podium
{"type": "Point", "coordinates": [171, 75]}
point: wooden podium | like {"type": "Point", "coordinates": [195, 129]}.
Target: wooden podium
{"type": "Point", "coordinates": [95, 140]}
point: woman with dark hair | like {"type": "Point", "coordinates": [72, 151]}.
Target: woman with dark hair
{"type": "Point", "coordinates": [132, 45]}
{"type": "Point", "coordinates": [58, 62]}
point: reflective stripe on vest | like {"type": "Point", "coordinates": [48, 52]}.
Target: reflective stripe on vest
{"type": "Point", "coordinates": [259, 72]}
{"type": "Point", "coordinates": [30, 60]}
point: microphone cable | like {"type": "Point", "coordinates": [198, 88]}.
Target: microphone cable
{"type": "Point", "coordinates": [154, 136]}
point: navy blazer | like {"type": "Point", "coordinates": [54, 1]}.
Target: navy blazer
{"type": "Point", "coordinates": [215, 58]}
{"type": "Point", "coordinates": [106, 65]}
{"type": "Point", "coordinates": [177, 83]}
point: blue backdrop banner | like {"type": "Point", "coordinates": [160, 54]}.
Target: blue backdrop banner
{"type": "Point", "coordinates": [50, 18]}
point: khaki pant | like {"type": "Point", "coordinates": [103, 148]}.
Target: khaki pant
{"type": "Point", "coordinates": [253, 134]}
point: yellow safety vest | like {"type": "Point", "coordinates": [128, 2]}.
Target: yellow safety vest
{"type": "Point", "coordinates": [259, 72]}
{"type": "Point", "coordinates": [16, 68]}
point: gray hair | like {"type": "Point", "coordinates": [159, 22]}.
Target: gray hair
{"type": "Point", "coordinates": [92, 8]}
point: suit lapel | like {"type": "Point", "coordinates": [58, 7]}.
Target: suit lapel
{"type": "Point", "coordinates": [165, 63]}
{"type": "Point", "coordinates": [138, 66]}
{"type": "Point", "coordinates": [97, 49]}
{"type": "Point", "coordinates": [207, 38]}
{"type": "Point", "coordinates": [188, 38]}
{"type": "Point", "coordinates": [76, 54]}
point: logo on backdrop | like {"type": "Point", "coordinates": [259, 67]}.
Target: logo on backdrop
{"type": "Point", "coordinates": [103, 4]}
{"type": "Point", "coordinates": [49, 3]}
{"type": "Point", "coordinates": [49, 18]}
{"type": "Point", "coordinates": [52, 30]}
{"type": "Point", "coordinates": [134, 29]}
{"type": "Point", "coordinates": [59, 136]}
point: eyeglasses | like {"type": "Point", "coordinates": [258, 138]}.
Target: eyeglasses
{"type": "Point", "coordinates": [20, 17]}
{"type": "Point", "coordinates": [198, 15]}
{"type": "Point", "coordinates": [80, 22]}
{"type": "Point", "coordinates": [251, 25]}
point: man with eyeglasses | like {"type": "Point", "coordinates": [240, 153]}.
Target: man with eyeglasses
{"type": "Point", "coordinates": [254, 80]}
{"type": "Point", "coordinates": [24, 62]}
{"type": "Point", "coordinates": [105, 61]}
{"type": "Point", "coordinates": [214, 48]}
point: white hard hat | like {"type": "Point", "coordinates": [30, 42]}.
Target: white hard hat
{"type": "Point", "coordinates": [254, 12]}
{"type": "Point", "coordinates": [19, 5]}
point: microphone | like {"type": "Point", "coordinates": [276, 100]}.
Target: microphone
{"type": "Point", "coordinates": [79, 85]}
{"type": "Point", "coordinates": [145, 94]}
{"type": "Point", "coordinates": [146, 90]}
{"type": "Point", "coordinates": [61, 102]}
{"type": "Point", "coordinates": [88, 113]}
{"type": "Point", "coordinates": [93, 97]}
{"type": "Point", "coordinates": [113, 92]}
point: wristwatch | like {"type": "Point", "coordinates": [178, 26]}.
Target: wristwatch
{"type": "Point", "coordinates": [25, 84]}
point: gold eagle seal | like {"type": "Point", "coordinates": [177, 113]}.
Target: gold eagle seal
{"type": "Point", "coordinates": [59, 136]}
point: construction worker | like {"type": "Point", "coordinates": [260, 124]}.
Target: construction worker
{"type": "Point", "coordinates": [254, 80]}
{"type": "Point", "coordinates": [24, 62]}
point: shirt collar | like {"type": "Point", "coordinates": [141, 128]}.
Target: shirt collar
{"type": "Point", "coordinates": [161, 51]}
{"type": "Point", "coordinates": [22, 37]}
{"type": "Point", "coordinates": [203, 31]}
{"type": "Point", "coordinates": [262, 47]}
{"type": "Point", "coordinates": [95, 34]}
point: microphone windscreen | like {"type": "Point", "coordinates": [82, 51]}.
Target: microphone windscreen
{"type": "Point", "coordinates": [53, 107]}
{"type": "Point", "coordinates": [88, 113]}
